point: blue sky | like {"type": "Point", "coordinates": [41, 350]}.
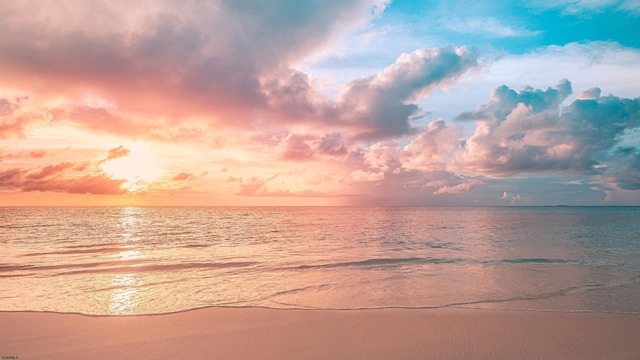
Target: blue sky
{"type": "Point", "coordinates": [320, 102]}
{"type": "Point", "coordinates": [517, 27]}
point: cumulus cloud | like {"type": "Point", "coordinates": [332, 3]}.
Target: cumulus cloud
{"type": "Point", "coordinates": [142, 61]}
{"type": "Point", "coordinates": [138, 70]}
{"type": "Point", "coordinates": [512, 198]}
{"type": "Point", "coordinates": [381, 104]}
{"type": "Point", "coordinates": [626, 175]}
{"type": "Point", "coordinates": [431, 149]}
{"type": "Point", "coordinates": [374, 107]}
{"type": "Point", "coordinates": [528, 131]}
{"type": "Point", "coordinates": [298, 147]}
{"type": "Point", "coordinates": [590, 94]}
{"type": "Point", "coordinates": [524, 131]}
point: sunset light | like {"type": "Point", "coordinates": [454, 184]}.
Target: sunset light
{"type": "Point", "coordinates": [138, 167]}
{"type": "Point", "coordinates": [321, 179]}
{"type": "Point", "coordinates": [362, 102]}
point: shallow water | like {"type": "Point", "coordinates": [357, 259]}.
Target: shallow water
{"type": "Point", "coordinates": [130, 260]}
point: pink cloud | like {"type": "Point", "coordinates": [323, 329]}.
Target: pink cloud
{"type": "Point", "coordinates": [38, 154]}
{"type": "Point", "coordinates": [297, 147]}
{"type": "Point", "coordinates": [63, 177]}
{"type": "Point", "coordinates": [359, 175]}
{"type": "Point", "coordinates": [118, 152]}
{"type": "Point", "coordinates": [429, 151]}
{"type": "Point", "coordinates": [251, 187]}
{"type": "Point", "coordinates": [50, 170]}
{"type": "Point", "coordinates": [182, 177]}
{"type": "Point", "coordinates": [11, 178]}
{"type": "Point", "coordinates": [88, 184]}
{"type": "Point", "coordinates": [458, 188]}
{"type": "Point", "coordinates": [167, 65]}
{"type": "Point", "coordinates": [16, 117]}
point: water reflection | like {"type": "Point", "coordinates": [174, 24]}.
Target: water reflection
{"type": "Point", "coordinates": [129, 223]}
{"type": "Point", "coordinates": [125, 296]}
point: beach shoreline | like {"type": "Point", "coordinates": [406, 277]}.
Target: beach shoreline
{"type": "Point", "coordinates": [262, 333]}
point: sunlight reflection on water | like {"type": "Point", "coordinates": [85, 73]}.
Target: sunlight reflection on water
{"type": "Point", "coordinates": [125, 297]}
{"type": "Point", "coordinates": [150, 260]}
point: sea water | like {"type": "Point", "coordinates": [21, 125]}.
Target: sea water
{"type": "Point", "coordinates": [151, 260]}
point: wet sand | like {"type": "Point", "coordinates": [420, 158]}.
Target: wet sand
{"type": "Point", "coordinates": [257, 333]}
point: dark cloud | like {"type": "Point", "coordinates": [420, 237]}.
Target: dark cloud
{"type": "Point", "coordinates": [627, 173]}
{"type": "Point", "coordinates": [597, 123]}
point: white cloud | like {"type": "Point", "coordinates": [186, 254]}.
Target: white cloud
{"type": "Point", "coordinates": [529, 131]}
{"type": "Point", "coordinates": [458, 188]}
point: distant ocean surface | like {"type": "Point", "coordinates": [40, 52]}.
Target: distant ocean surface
{"type": "Point", "coordinates": [139, 260]}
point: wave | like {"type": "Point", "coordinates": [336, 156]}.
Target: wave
{"type": "Point", "coordinates": [159, 268]}
{"type": "Point", "coordinates": [381, 262]}
{"type": "Point", "coordinates": [11, 226]}
{"type": "Point", "coordinates": [61, 266]}
{"type": "Point", "coordinates": [91, 250]}
{"type": "Point", "coordinates": [131, 266]}
{"type": "Point", "coordinates": [532, 261]}
{"type": "Point", "coordinates": [419, 261]}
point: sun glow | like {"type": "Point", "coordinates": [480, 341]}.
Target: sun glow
{"type": "Point", "coordinates": [138, 167]}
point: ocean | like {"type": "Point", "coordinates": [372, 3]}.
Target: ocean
{"type": "Point", "coordinates": [153, 260]}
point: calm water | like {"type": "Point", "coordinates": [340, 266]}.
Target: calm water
{"type": "Point", "coordinates": [154, 260]}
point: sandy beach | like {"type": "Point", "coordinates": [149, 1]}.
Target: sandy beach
{"type": "Point", "coordinates": [257, 333]}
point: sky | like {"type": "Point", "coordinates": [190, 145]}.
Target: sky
{"type": "Point", "coordinates": [334, 102]}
